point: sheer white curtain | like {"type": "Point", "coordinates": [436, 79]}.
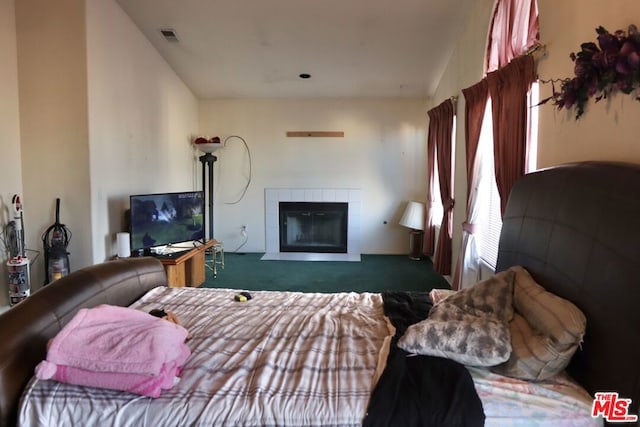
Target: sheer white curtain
{"type": "Point", "coordinates": [468, 265]}
{"type": "Point", "coordinates": [514, 30]}
{"type": "Point", "coordinates": [471, 258]}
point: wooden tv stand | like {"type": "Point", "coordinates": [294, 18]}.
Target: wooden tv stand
{"type": "Point", "coordinates": [187, 269]}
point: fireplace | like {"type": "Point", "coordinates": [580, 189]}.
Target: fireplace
{"type": "Point", "coordinates": [351, 197]}
{"type": "Point", "coordinates": [319, 227]}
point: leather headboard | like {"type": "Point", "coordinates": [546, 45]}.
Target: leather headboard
{"type": "Point", "coordinates": [574, 228]}
{"type": "Point", "coordinates": [26, 328]}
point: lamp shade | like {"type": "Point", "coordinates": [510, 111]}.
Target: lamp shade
{"type": "Point", "coordinates": [413, 216]}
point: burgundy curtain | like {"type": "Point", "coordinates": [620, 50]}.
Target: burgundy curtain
{"type": "Point", "coordinates": [442, 119]}
{"type": "Point", "coordinates": [429, 237]}
{"type": "Point", "coordinates": [475, 105]}
{"type": "Point", "coordinates": [514, 30]}
{"type": "Point", "coordinates": [508, 88]}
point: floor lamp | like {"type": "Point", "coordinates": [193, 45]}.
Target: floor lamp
{"type": "Point", "coordinates": [413, 218]}
{"type": "Point", "coordinates": [207, 160]}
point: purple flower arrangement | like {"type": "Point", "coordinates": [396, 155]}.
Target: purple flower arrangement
{"type": "Point", "coordinates": [613, 64]}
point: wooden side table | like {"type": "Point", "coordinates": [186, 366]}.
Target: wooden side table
{"type": "Point", "coordinates": [189, 268]}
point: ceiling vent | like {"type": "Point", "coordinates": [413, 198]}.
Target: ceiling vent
{"type": "Point", "coordinates": [169, 35]}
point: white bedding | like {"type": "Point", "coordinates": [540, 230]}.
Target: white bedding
{"type": "Point", "coordinates": [283, 358]}
{"type": "Point", "coordinates": [288, 359]}
{"type": "Point", "coordinates": [509, 402]}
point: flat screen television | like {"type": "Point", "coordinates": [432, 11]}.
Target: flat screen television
{"type": "Point", "coordinates": [166, 218]}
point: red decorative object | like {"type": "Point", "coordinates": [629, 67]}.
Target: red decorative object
{"type": "Point", "coordinates": [205, 140]}
{"type": "Point", "coordinates": [207, 145]}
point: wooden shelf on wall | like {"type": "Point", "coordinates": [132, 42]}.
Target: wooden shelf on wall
{"type": "Point", "coordinates": [321, 134]}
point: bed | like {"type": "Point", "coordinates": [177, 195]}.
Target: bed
{"type": "Point", "coordinates": [569, 226]}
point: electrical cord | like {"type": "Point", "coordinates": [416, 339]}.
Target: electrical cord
{"type": "Point", "coordinates": [246, 187]}
{"type": "Point", "coordinates": [246, 238]}
{"type": "Point", "coordinates": [10, 239]}
{"type": "Point", "coordinates": [33, 260]}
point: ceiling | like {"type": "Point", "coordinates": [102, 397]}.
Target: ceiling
{"type": "Point", "coordinates": [258, 48]}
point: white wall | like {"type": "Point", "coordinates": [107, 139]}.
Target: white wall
{"type": "Point", "coordinates": [383, 153]}
{"type": "Point", "coordinates": [141, 118]}
{"type": "Point", "coordinates": [102, 116]}
{"type": "Point", "coordinates": [10, 159]}
{"type": "Point", "coordinates": [91, 114]}
{"type": "Point", "coordinates": [607, 131]}
{"type": "Point", "coordinates": [53, 123]}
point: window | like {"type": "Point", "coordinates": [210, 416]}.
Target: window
{"type": "Point", "coordinates": [514, 30]}
{"type": "Point", "coordinates": [489, 222]}
{"type": "Point", "coordinates": [532, 150]}
{"type": "Point", "coordinates": [437, 210]}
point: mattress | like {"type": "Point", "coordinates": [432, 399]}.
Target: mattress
{"type": "Point", "coordinates": [282, 358]}
{"type": "Point", "coordinates": [287, 359]}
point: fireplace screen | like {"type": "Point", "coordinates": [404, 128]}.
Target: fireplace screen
{"type": "Point", "coordinates": [313, 227]}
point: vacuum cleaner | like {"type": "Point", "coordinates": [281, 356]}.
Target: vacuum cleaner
{"type": "Point", "coordinates": [18, 264]}
{"type": "Point", "coordinates": [55, 240]}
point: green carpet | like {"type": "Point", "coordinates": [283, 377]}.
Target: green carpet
{"type": "Point", "coordinates": [375, 273]}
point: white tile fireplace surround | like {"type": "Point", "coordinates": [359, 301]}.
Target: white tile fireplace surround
{"type": "Point", "coordinates": [272, 198]}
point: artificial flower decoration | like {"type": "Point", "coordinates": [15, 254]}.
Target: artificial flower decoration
{"type": "Point", "coordinates": [613, 64]}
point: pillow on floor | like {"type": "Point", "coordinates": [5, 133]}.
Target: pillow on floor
{"type": "Point", "coordinates": [546, 333]}
{"type": "Point", "coordinates": [469, 326]}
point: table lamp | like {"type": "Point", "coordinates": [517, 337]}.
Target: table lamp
{"type": "Point", "coordinates": [413, 218]}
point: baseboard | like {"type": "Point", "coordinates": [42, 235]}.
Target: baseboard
{"type": "Point", "coordinates": [303, 256]}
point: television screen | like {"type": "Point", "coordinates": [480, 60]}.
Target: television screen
{"type": "Point", "coordinates": [162, 219]}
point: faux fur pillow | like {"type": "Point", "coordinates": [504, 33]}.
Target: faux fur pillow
{"type": "Point", "coordinates": [438, 295]}
{"type": "Point", "coordinates": [492, 297]}
{"type": "Point", "coordinates": [470, 326]}
{"type": "Point", "coordinates": [480, 342]}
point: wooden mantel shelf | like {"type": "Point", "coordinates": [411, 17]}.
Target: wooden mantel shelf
{"type": "Point", "coordinates": [321, 134]}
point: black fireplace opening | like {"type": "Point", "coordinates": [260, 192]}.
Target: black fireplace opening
{"type": "Point", "coordinates": [319, 227]}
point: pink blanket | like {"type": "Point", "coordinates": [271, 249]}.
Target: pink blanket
{"type": "Point", "coordinates": [117, 339]}
{"type": "Point", "coordinates": [117, 347]}
{"type": "Point", "coordinates": [146, 385]}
